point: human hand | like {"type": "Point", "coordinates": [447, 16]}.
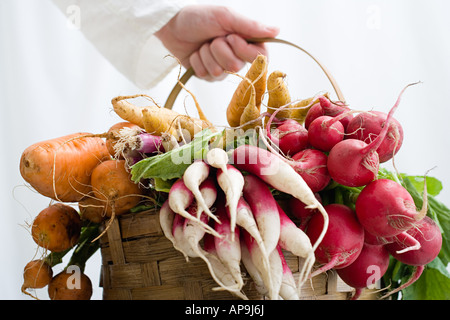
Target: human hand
{"type": "Point", "coordinates": [212, 39]}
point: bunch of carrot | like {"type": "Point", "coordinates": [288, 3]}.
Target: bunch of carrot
{"type": "Point", "coordinates": [240, 205]}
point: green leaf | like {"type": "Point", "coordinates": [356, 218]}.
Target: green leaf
{"type": "Point", "coordinates": [172, 164]}
{"type": "Point", "coordinates": [434, 186]}
{"type": "Point", "coordinates": [433, 284]}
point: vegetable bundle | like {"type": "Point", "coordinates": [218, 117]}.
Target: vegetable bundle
{"type": "Point", "coordinates": [300, 176]}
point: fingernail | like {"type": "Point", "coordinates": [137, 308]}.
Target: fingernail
{"type": "Point", "coordinates": [272, 29]}
{"type": "Point", "coordinates": [231, 39]}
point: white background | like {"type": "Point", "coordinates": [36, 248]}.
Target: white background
{"type": "Point", "coordinates": [53, 82]}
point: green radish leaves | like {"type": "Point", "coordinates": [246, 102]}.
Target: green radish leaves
{"type": "Point", "coordinates": [172, 164]}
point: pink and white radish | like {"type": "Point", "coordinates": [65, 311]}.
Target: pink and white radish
{"type": "Point", "coordinates": [264, 209]}
{"type": "Point", "coordinates": [180, 198]}
{"type": "Point", "coordinates": [246, 220]}
{"type": "Point", "coordinates": [293, 239]}
{"type": "Point", "coordinates": [277, 173]}
{"type": "Point", "coordinates": [343, 240]}
{"type": "Point", "coordinates": [288, 289]}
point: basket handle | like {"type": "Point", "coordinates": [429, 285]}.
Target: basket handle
{"type": "Point", "coordinates": [190, 72]}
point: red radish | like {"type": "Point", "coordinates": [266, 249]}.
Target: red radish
{"type": "Point", "coordinates": [293, 239]}
{"type": "Point", "coordinates": [290, 136]}
{"type": "Point", "coordinates": [279, 174]}
{"type": "Point", "coordinates": [288, 289]}
{"type": "Point", "coordinates": [193, 176]}
{"type": "Point", "coordinates": [428, 234]}
{"type": "Point", "coordinates": [367, 269]}
{"type": "Point", "coordinates": [355, 163]}
{"type": "Point", "coordinates": [311, 165]}
{"type": "Point", "coordinates": [386, 209]}
{"type": "Point", "coordinates": [343, 240]}
{"type": "Point", "coordinates": [324, 132]}
{"type": "Point", "coordinates": [298, 209]}
{"type": "Point", "coordinates": [374, 240]}
{"type": "Point", "coordinates": [367, 126]}
{"type": "Point", "coordinates": [231, 182]}
{"type": "Point", "coordinates": [327, 108]}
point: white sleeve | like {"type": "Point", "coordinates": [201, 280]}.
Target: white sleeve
{"type": "Point", "coordinates": [123, 32]}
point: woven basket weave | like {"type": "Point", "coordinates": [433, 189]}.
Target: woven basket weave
{"type": "Point", "coordinates": [138, 262]}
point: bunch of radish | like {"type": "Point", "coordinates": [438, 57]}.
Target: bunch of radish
{"type": "Point", "coordinates": [229, 219]}
{"type": "Point", "coordinates": [334, 146]}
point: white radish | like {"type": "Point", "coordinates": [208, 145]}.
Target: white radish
{"type": "Point", "coordinates": [293, 239]}
{"type": "Point", "coordinates": [252, 270]}
{"type": "Point", "coordinates": [193, 176]}
{"type": "Point", "coordinates": [228, 247]}
{"type": "Point", "coordinates": [231, 182]}
{"type": "Point", "coordinates": [208, 191]}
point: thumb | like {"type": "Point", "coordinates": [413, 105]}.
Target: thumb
{"type": "Point", "coordinates": [248, 28]}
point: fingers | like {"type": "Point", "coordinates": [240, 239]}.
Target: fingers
{"type": "Point", "coordinates": [228, 53]}
{"type": "Point", "coordinates": [244, 50]}
{"type": "Point", "coordinates": [212, 59]}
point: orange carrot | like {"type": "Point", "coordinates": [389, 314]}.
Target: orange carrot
{"type": "Point", "coordinates": [61, 168]}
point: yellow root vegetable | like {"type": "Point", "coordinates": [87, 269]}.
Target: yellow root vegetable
{"type": "Point", "coordinates": [257, 74]}
{"type": "Point", "coordinates": [250, 117]}
{"type": "Point", "coordinates": [157, 120]}
{"type": "Point", "coordinates": [300, 108]}
{"type": "Point", "coordinates": [278, 94]}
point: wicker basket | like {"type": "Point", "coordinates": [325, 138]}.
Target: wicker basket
{"type": "Point", "coordinates": [138, 262]}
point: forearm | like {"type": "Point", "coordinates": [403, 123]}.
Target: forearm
{"type": "Point", "coordinates": [123, 32]}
